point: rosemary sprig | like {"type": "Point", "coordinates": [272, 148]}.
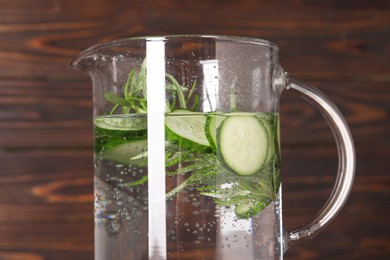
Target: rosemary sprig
{"type": "Point", "coordinates": [134, 99]}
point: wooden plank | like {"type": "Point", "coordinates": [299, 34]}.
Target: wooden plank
{"type": "Point", "coordinates": [47, 205]}
{"type": "Point", "coordinates": [364, 105]}
{"type": "Point", "coordinates": [39, 42]}
{"type": "Point", "coordinates": [42, 175]}
{"type": "Point", "coordinates": [45, 114]}
{"type": "Point", "coordinates": [359, 231]}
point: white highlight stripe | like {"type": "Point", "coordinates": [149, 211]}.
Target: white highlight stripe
{"type": "Point", "coordinates": [155, 62]}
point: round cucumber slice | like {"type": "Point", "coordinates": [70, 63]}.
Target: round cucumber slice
{"type": "Point", "coordinates": [127, 153]}
{"type": "Point", "coordinates": [243, 144]}
{"type": "Point", "coordinates": [188, 125]}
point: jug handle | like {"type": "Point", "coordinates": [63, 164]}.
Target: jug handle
{"type": "Point", "coordinates": [346, 164]}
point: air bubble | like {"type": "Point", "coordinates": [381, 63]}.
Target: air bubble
{"type": "Point", "coordinates": [113, 226]}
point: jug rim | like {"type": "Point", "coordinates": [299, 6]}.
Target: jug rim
{"type": "Point", "coordinates": [94, 49]}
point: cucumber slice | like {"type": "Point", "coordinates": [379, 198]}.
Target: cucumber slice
{"type": "Point", "coordinates": [246, 210]}
{"type": "Point", "coordinates": [213, 121]}
{"type": "Point", "coordinates": [111, 131]}
{"type": "Point", "coordinates": [243, 144]}
{"type": "Point", "coordinates": [187, 128]}
{"type": "Point", "coordinates": [278, 132]}
{"type": "Point", "coordinates": [121, 123]}
{"type": "Point", "coordinates": [269, 126]}
{"type": "Point", "coordinates": [128, 153]}
{"type": "Point", "coordinates": [250, 208]}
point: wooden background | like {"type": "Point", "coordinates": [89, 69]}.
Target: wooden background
{"type": "Point", "coordinates": [342, 47]}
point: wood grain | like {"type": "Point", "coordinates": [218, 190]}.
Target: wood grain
{"type": "Point", "coordinates": [45, 114]}
{"type": "Point", "coordinates": [46, 185]}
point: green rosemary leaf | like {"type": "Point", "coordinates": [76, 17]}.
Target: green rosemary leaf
{"type": "Point", "coordinates": [179, 91]}
{"type": "Point", "coordinates": [195, 106]}
{"type": "Point", "coordinates": [129, 84]}
{"type": "Point", "coordinates": [137, 182]}
{"type": "Point", "coordinates": [116, 99]}
{"type": "Point", "coordinates": [191, 91]}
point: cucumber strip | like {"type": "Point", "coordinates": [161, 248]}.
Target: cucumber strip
{"type": "Point", "coordinates": [127, 153]}
{"type": "Point", "coordinates": [249, 208]}
{"type": "Point", "coordinates": [213, 121]}
{"type": "Point", "coordinates": [121, 123]}
{"type": "Point", "coordinates": [187, 127]}
{"type": "Point", "coordinates": [271, 137]}
{"type": "Point", "coordinates": [278, 132]}
{"type": "Point", "coordinates": [243, 144]}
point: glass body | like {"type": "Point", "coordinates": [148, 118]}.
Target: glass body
{"type": "Point", "coordinates": [187, 148]}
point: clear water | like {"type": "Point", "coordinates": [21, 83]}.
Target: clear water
{"type": "Point", "coordinates": [196, 227]}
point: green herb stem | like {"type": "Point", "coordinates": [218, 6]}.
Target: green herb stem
{"type": "Point", "coordinates": [179, 91]}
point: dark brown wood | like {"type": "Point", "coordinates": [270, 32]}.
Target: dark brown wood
{"type": "Point", "coordinates": [342, 47]}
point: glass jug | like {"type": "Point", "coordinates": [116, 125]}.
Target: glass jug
{"type": "Point", "coordinates": [187, 148]}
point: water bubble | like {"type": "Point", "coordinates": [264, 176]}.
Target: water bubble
{"type": "Point", "coordinates": [113, 226]}
{"type": "Point", "coordinates": [108, 215]}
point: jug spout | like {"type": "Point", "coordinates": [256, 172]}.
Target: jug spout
{"type": "Point", "coordinates": [82, 63]}
{"type": "Point", "coordinates": [93, 57]}
{"type": "Point", "coordinates": [87, 59]}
